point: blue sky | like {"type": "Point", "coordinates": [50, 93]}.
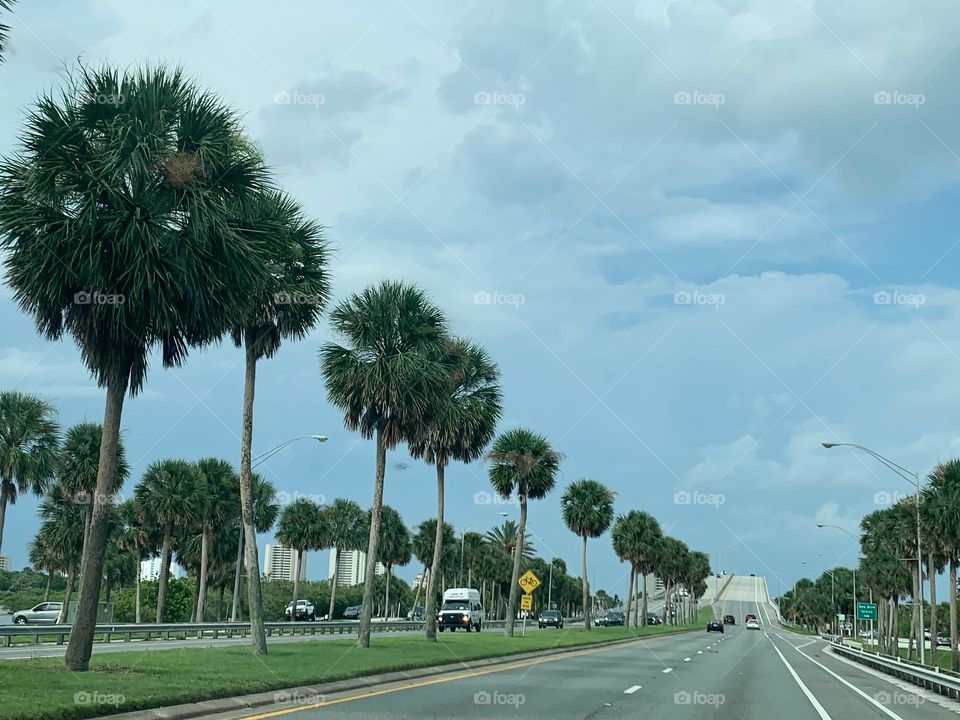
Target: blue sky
{"type": "Point", "coordinates": [700, 238]}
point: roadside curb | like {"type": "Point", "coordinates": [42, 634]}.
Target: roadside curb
{"type": "Point", "coordinates": [243, 702]}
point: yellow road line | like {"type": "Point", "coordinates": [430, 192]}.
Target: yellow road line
{"type": "Point", "coordinates": [445, 679]}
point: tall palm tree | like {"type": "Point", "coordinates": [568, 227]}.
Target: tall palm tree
{"type": "Point", "coordinates": [394, 548]}
{"type": "Point", "coordinates": [635, 538]}
{"type": "Point", "coordinates": [171, 490]}
{"type": "Point", "coordinates": [422, 544]}
{"type": "Point", "coordinates": [218, 501]}
{"type": "Point", "coordinates": [62, 528]}
{"type": "Point", "coordinates": [45, 557]}
{"type": "Point", "coordinates": [459, 428]}
{"type": "Point", "coordinates": [587, 509]}
{"type": "Point", "coordinates": [117, 222]}
{"type": "Point", "coordinates": [522, 462]}
{"type": "Point", "coordinates": [472, 546]}
{"type": "Point", "coordinates": [346, 524]}
{"type": "Point", "coordinates": [138, 538]}
{"type": "Point", "coordinates": [266, 510]}
{"type": "Point", "coordinates": [29, 436]}
{"type": "Point", "coordinates": [505, 537]}
{"type": "Point", "coordinates": [285, 307]}
{"type": "Point", "coordinates": [671, 563]}
{"type": "Point", "coordinates": [622, 540]}
{"type": "Point", "coordinates": [5, 7]}
{"type": "Point", "coordinates": [945, 491]}
{"type": "Point", "coordinates": [387, 380]}
{"type": "Point", "coordinates": [302, 527]}
{"type": "Point", "coordinates": [77, 466]}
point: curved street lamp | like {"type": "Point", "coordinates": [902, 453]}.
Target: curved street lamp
{"type": "Point", "coordinates": [259, 460]}
{"type": "Point", "coordinates": [909, 476]}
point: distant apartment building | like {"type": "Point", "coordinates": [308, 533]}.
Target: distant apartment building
{"type": "Point", "coordinates": [150, 569]}
{"type": "Point", "coordinates": [352, 566]}
{"type": "Point", "coordinates": [279, 563]}
{"type": "Point", "coordinates": [4, 562]}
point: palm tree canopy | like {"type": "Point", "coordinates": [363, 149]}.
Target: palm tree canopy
{"type": "Point", "coordinates": [635, 536]}
{"type": "Point", "coordinates": [395, 546]}
{"type": "Point", "coordinates": [672, 559]}
{"type": "Point", "coordinates": [302, 526]}
{"type": "Point", "coordinates": [266, 509]}
{"type": "Point", "coordinates": [464, 422]}
{"type": "Point", "coordinates": [346, 525]}
{"type": "Point", "coordinates": [5, 6]}
{"type": "Point", "coordinates": [389, 376]}
{"type": "Point", "coordinates": [587, 508]}
{"type": "Point", "coordinates": [220, 498]}
{"type": "Point", "coordinates": [62, 526]}
{"type": "Point", "coordinates": [424, 538]}
{"type": "Point", "coordinates": [169, 492]}
{"type": "Point", "coordinates": [29, 438]}
{"type": "Point", "coordinates": [116, 218]}
{"type": "Point", "coordinates": [524, 463]}
{"type": "Point", "coordinates": [505, 537]}
{"type": "Point", "coordinates": [80, 459]}
{"type": "Point", "coordinates": [297, 286]}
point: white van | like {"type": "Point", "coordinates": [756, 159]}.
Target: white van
{"type": "Point", "coordinates": [461, 609]}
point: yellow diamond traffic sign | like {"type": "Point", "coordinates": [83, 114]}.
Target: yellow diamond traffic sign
{"type": "Point", "coordinates": [529, 582]}
{"type": "Point", "coordinates": [526, 601]}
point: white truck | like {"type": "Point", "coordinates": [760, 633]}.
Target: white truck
{"type": "Point", "coordinates": [461, 608]}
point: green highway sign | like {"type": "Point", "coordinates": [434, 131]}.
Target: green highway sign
{"type": "Point", "coordinates": [866, 611]}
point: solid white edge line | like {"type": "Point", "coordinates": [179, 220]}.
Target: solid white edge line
{"type": "Point", "coordinates": [853, 687]}
{"type": "Point", "coordinates": [632, 689]}
{"type": "Point", "coordinates": [806, 691]}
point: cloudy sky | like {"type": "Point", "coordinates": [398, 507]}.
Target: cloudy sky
{"type": "Point", "coordinates": [699, 236]}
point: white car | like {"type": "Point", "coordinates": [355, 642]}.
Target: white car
{"type": "Point", "coordinates": [753, 624]}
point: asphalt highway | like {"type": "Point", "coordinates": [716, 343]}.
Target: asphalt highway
{"type": "Point", "coordinates": [741, 675]}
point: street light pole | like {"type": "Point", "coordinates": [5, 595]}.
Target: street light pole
{"type": "Point", "coordinates": [908, 475]}
{"type": "Point", "coordinates": [259, 460]}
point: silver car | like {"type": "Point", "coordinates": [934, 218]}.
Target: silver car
{"type": "Point", "coordinates": [46, 613]}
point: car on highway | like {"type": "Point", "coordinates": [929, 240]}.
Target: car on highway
{"type": "Point", "coordinates": [46, 613]}
{"type": "Point", "coordinates": [417, 613]}
{"type": "Point", "coordinates": [748, 617]}
{"type": "Point", "coordinates": [729, 620]}
{"type": "Point", "coordinates": [304, 611]}
{"type": "Point", "coordinates": [654, 619]}
{"type": "Point", "coordinates": [353, 612]}
{"type": "Point", "coordinates": [461, 608]}
{"type": "Point", "coordinates": [715, 626]}
{"type": "Point", "coordinates": [550, 618]}
{"type": "Point", "coordinates": [610, 618]}
{"type": "Point", "coordinates": [753, 624]}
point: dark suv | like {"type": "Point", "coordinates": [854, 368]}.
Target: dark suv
{"type": "Point", "coordinates": [729, 620]}
{"type": "Point", "coordinates": [551, 618]}
{"type": "Point", "coordinates": [612, 617]}
{"type": "Point", "coordinates": [715, 625]}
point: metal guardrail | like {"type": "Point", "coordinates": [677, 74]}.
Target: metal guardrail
{"type": "Point", "coordinates": [58, 634]}
{"type": "Point", "coordinates": [942, 681]}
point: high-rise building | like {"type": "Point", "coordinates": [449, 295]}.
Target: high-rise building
{"type": "Point", "coordinates": [150, 569]}
{"type": "Point", "coordinates": [4, 562]}
{"type": "Point", "coordinates": [353, 565]}
{"type": "Point", "coordinates": [279, 563]}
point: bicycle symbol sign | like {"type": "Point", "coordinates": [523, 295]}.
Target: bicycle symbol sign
{"type": "Point", "coordinates": [528, 582]}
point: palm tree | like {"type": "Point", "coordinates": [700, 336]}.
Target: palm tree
{"type": "Point", "coordinates": [138, 539]}
{"type": "Point", "coordinates": [266, 510]}
{"type": "Point", "coordinates": [45, 557]}
{"type": "Point", "coordinates": [5, 6]}
{"type": "Point", "coordinates": [29, 436]}
{"type": "Point", "coordinates": [522, 462]}
{"type": "Point", "coordinates": [116, 218]}
{"type": "Point", "coordinates": [171, 490]}
{"type": "Point", "coordinates": [422, 546]}
{"type": "Point", "coordinates": [286, 307]}
{"type": "Point", "coordinates": [62, 529]}
{"type": "Point", "coordinates": [459, 428]}
{"type": "Point", "coordinates": [386, 380]}
{"type": "Point", "coordinates": [587, 509]}
{"type": "Point", "coordinates": [472, 546]}
{"type": "Point", "coordinates": [77, 466]}
{"type": "Point", "coordinates": [394, 548]}
{"type": "Point", "coordinates": [302, 527]}
{"type": "Point", "coordinates": [945, 491]}
{"type": "Point", "coordinates": [505, 537]}
{"type": "Point", "coordinates": [671, 563]}
{"type": "Point", "coordinates": [219, 498]}
{"type": "Point", "coordinates": [635, 538]}
{"type": "Point", "coordinates": [346, 524]}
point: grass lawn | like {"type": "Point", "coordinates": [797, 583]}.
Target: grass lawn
{"type": "Point", "coordinates": [41, 689]}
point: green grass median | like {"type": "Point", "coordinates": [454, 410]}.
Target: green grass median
{"type": "Point", "coordinates": [41, 689]}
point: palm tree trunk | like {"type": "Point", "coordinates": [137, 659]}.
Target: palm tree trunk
{"type": "Point", "coordinates": [164, 572]}
{"type": "Point", "coordinates": [933, 609]}
{"type": "Point", "coordinates": [333, 581]}
{"type": "Point", "coordinates": [644, 591]}
{"type": "Point", "coordinates": [46, 590]}
{"type": "Point", "coordinates": [916, 633]}
{"type": "Point", "coordinates": [296, 582]}
{"type": "Point", "coordinates": [71, 575]}
{"type": "Point", "coordinates": [386, 594]}
{"type": "Point", "coordinates": [954, 655]}
{"type": "Point", "coordinates": [81, 636]}
{"type": "Point", "coordinates": [223, 592]}
{"type": "Point", "coordinates": [205, 541]}
{"type": "Point", "coordinates": [629, 596]}
{"type": "Point", "coordinates": [136, 551]}
{"type": "Point", "coordinates": [430, 606]}
{"type": "Point", "coordinates": [586, 588]}
{"type": "Point", "coordinates": [235, 600]}
{"type": "Point", "coordinates": [196, 595]}
{"type": "Point", "coordinates": [517, 554]}
{"type": "Point", "coordinates": [258, 634]}
{"type": "Point", "coordinates": [86, 532]}
{"type": "Point", "coordinates": [4, 490]}
{"type": "Point", "coordinates": [363, 636]}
